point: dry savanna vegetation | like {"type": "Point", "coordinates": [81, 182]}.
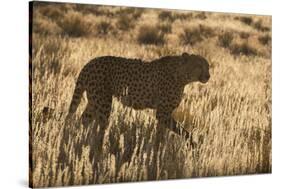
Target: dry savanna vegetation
{"type": "Point", "coordinates": [229, 117]}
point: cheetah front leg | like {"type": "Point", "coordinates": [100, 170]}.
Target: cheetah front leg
{"type": "Point", "coordinates": [166, 120]}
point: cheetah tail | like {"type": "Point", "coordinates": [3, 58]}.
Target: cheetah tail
{"type": "Point", "coordinates": [77, 95]}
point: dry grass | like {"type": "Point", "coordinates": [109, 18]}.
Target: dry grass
{"type": "Point", "coordinates": [265, 39]}
{"type": "Point", "coordinates": [150, 35]}
{"type": "Point", "coordinates": [74, 25]}
{"type": "Point", "coordinates": [246, 19]}
{"type": "Point", "coordinates": [104, 28]}
{"type": "Point", "coordinates": [230, 116]}
{"type": "Point", "coordinates": [225, 39]}
{"type": "Point", "coordinates": [243, 49]}
{"type": "Point", "coordinates": [166, 16]}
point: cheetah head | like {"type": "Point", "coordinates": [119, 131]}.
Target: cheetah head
{"type": "Point", "coordinates": [196, 68]}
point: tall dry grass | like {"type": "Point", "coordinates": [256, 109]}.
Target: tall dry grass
{"type": "Point", "coordinates": [230, 116]}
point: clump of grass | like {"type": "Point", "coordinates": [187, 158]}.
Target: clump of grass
{"type": "Point", "coordinates": [265, 39]}
{"type": "Point", "coordinates": [183, 16]}
{"type": "Point", "coordinates": [225, 39]}
{"type": "Point", "coordinates": [201, 15]}
{"type": "Point", "coordinates": [166, 16]}
{"type": "Point", "coordinates": [135, 12]}
{"type": "Point", "coordinates": [150, 35]}
{"type": "Point", "coordinates": [127, 18]}
{"type": "Point", "coordinates": [131, 12]}
{"type": "Point", "coordinates": [125, 22]}
{"type": "Point", "coordinates": [206, 31]}
{"type": "Point", "coordinates": [190, 36]}
{"type": "Point", "coordinates": [52, 12]}
{"type": "Point", "coordinates": [75, 25]}
{"type": "Point", "coordinates": [244, 35]}
{"type": "Point", "coordinates": [165, 28]}
{"type": "Point", "coordinates": [46, 26]}
{"type": "Point", "coordinates": [53, 46]}
{"type": "Point", "coordinates": [90, 9]}
{"type": "Point", "coordinates": [104, 28]}
{"type": "Point", "coordinates": [243, 49]}
{"type": "Point", "coordinates": [195, 35]}
{"type": "Point", "coordinates": [258, 25]}
{"type": "Point", "coordinates": [245, 19]}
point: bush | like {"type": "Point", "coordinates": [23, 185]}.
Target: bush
{"type": "Point", "coordinates": [52, 11]}
{"type": "Point", "coordinates": [225, 39]}
{"type": "Point", "coordinates": [183, 16]}
{"type": "Point", "coordinates": [150, 35]}
{"type": "Point", "coordinates": [243, 49]}
{"type": "Point", "coordinates": [45, 26]}
{"type": "Point", "coordinates": [125, 22]}
{"type": "Point", "coordinates": [201, 15]}
{"type": "Point", "coordinates": [136, 12]}
{"type": "Point", "coordinates": [90, 9]}
{"type": "Point", "coordinates": [127, 18]}
{"type": "Point", "coordinates": [190, 36]}
{"type": "Point", "coordinates": [244, 35]}
{"type": "Point", "coordinates": [246, 20]}
{"type": "Point", "coordinates": [103, 28]}
{"type": "Point", "coordinates": [74, 25]}
{"type": "Point", "coordinates": [195, 35]}
{"type": "Point", "coordinates": [265, 39]}
{"type": "Point", "coordinates": [131, 12]}
{"type": "Point", "coordinates": [166, 16]}
{"type": "Point", "coordinates": [165, 28]}
{"type": "Point", "coordinates": [259, 26]}
{"type": "Point", "coordinates": [53, 45]}
{"type": "Point", "coordinates": [206, 31]}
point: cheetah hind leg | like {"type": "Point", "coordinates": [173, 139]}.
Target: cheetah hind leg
{"type": "Point", "coordinates": [102, 109]}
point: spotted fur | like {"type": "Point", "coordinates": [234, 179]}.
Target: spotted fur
{"type": "Point", "coordinates": [158, 85]}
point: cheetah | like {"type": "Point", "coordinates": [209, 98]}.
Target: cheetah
{"type": "Point", "coordinates": [157, 85]}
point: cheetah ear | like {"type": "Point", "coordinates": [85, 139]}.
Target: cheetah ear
{"type": "Point", "coordinates": [185, 55]}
